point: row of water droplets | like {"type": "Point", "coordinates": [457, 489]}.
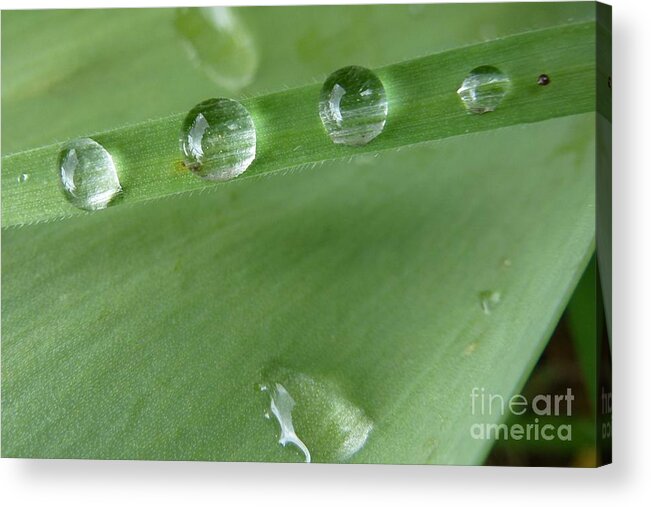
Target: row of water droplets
{"type": "Point", "coordinates": [218, 136]}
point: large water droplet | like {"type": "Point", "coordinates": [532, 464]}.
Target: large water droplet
{"type": "Point", "coordinates": [353, 106]}
{"type": "Point", "coordinates": [315, 413]}
{"type": "Point", "coordinates": [88, 175]}
{"type": "Point", "coordinates": [483, 89]}
{"type": "Point", "coordinates": [218, 139]}
{"type": "Point", "coordinates": [488, 300]}
{"type": "Point", "coordinates": [219, 43]}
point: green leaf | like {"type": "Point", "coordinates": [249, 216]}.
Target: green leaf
{"type": "Point", "coordinates": [582, 318]}
{"type": "Point", "coordinates": [423, 102]}
{"type": "Point", "coordinates": [142, 331]}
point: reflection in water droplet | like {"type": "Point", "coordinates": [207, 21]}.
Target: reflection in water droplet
{"type": "Point", "coordinates": [331, 425]}
{"type": "Point", "coordinates": [353, 106]}
{"type": "Point", "coordinates": [218, 139]}
{"type": "Point", "coordinates": [219, 43]}
{"type": "Point", "coordinates": [88, 174]}
{"type": "Point", "coordinates": [23, 178]}
{"type": "Point", "coordinates": [282, 405]}
{"type": "Point", "coordinates": [483, 89]}
{"type": "Point", "coordinates": [489, 300]}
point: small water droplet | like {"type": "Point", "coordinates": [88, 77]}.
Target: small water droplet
{"type": "Point", "coordinates": [88, 175]}
{"type": "Point", "coordinates": [220, 44]}
{"type": "Point", "coordinates": [218, 139]}
{"type": "Point", "coordinates": [353, 106]}
{"type": "Point", "coordinates": [23, 178]}
{"type": "Point", "coordinates": [543, 80]}
{"type": "Point", "coordinates": [483, 89]}
{"type": "Point", "coordinates": [506, 262]}
{"type": "Point", "coordinates": [315, 413]}
{"type": "Point", "coordinates": [489, 300]}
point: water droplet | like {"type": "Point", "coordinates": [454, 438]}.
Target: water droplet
{"type": "Point", "coordinates": [88, 175]}
{"type": "Point", "coordinates": [543, 80]}
{"type": "Point", "coordinates": [315, 413]}
{"type": "Point", "coordinates": [220, 44]}
{"type": "Point", "coordinates": [353, 106]}
{"type": "Point", "coordinates": [506, 262]}
{"type": "Point", "coordinates": [218, 139]}
{"type": "Point", "coordinates": [282, 405]}
{"type": "Point", "coordinates": [483, 89]}
{"type": "Point", "coordinates": [489, 300]}
{"type": "Point", "coordinates": [23, 178]}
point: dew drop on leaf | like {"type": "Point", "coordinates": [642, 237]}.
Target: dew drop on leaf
{"type": "Point", "coordinates": [483, 89]}
{"type": "Point", "coordinates": [218, 139]}
{"type": "Point", "coordinates": [219, 43]}
{"type": "Point", "coordinates": [353, 106]}
{"type": "Point", "coordinates": [281, 407]}
{"type": "Point", "coordinates": [314, 412]}
{"type": "Point", "coordinates": [488, 300]}
{"type": "Point", "coordinates": [88, 175]}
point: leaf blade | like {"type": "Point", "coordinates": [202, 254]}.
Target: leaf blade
{"type": "Point", "coordinates": [423, 107]}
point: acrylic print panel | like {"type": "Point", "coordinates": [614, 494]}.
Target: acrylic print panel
{"type": "Point", "coordinates": [413, 280]}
